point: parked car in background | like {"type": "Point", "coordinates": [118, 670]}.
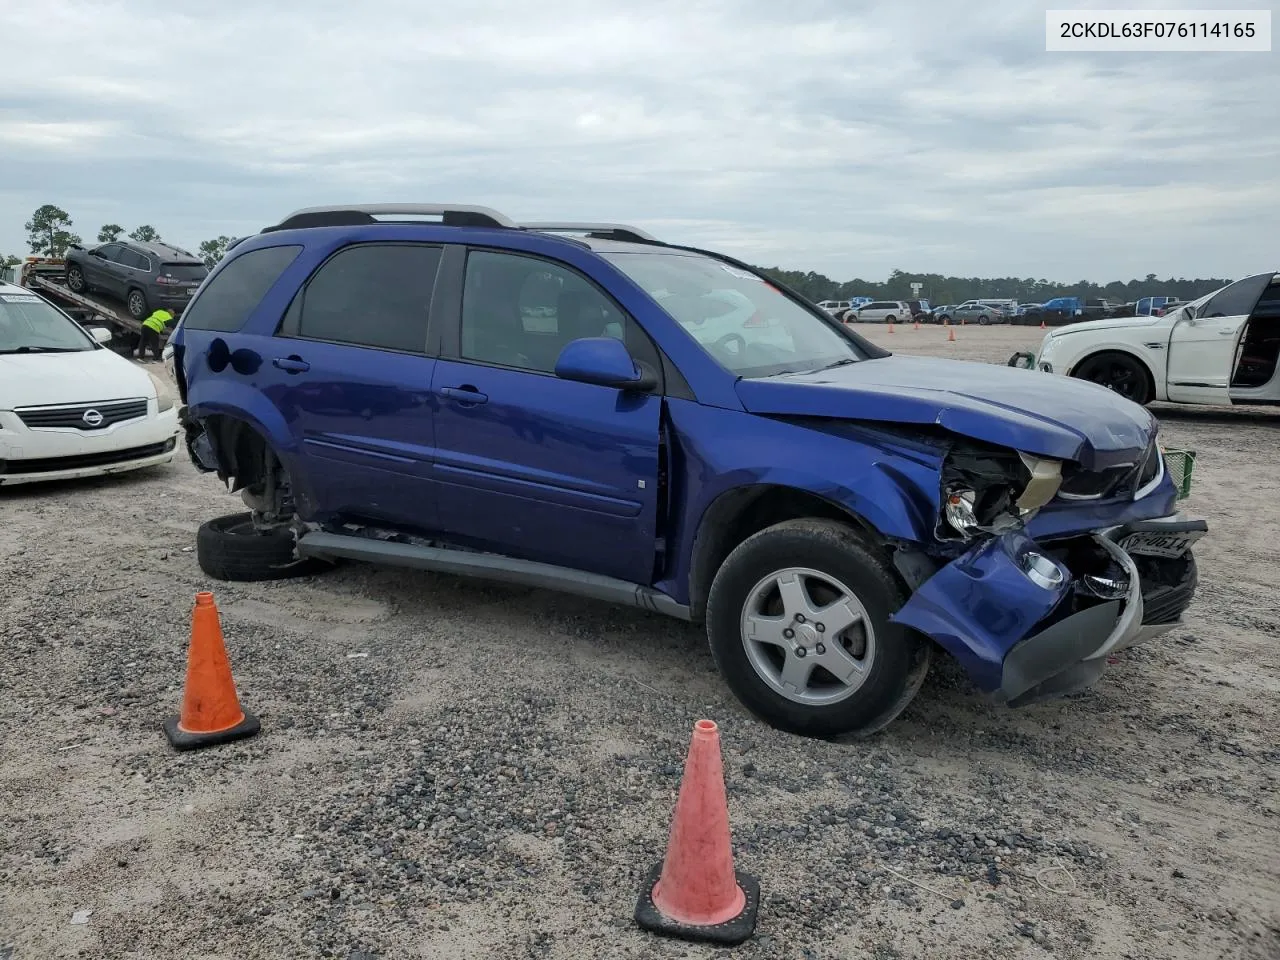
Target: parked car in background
{"type": "Point", "coordinates": [1063, 310]}
{"type": "Point", "coordinates": [881, 311]}
{"type": "Point", "coordinates": [834, 307]}
{"type": "Point", "coordinates": [975, 312]}
{"type": "Point", "coordinates": [142, 276]}
{"type": "Point", "coordinates": [1220, 349]}
{"type": "Point", "coordinates": [69, 407]}
{"type": "Point", "coordinates": [1026, 314]}
{"type": "Point", "coordinates": [1155, 306]}
{"type": "Point", "coordinates": [943, 313]}
{"type": "Point", "coordinates": [833, 514]}
{"type": "Point", "coordinates": [920, 310]}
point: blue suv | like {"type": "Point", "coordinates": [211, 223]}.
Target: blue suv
{"type": "Point", "coordinates": [585, 408]}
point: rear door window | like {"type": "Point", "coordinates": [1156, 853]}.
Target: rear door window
{"type": "Point", "coordinates": [230, 297]}
{"type": "Point", "coordinates": [134, 259]}
{"type": "Point", "coordinates": [369, 295]}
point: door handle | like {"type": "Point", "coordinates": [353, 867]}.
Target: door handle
{"type": "Point", "coordinates": [294, 364]}
{"type": "Point", "coordinates": [466, 394]}
{"type": "Point", "coordinates": [1226, 333]}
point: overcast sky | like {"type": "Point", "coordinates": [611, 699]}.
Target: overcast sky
{"type": "Point", "coordinates": [847, 138]}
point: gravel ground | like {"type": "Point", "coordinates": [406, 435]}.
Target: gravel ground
{"type": "Point", "coordinates": [452, 769]}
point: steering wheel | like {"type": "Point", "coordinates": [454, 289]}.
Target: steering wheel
{"type": "Point", "coordinates": [729, 337]}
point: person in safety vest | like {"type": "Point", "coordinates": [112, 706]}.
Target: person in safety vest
{"type": "Point", "coordinates": [152, 329]}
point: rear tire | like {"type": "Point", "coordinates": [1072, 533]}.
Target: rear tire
{"type": "Point", "coordinates": [841, 576]}
{"type": "Point", "coordinates": [891, 319]}
{"type": "Point", "coordinates": [230, 548]}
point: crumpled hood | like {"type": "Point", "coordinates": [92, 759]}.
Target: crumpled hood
{"type": "Point", "coordinates": [91, 376]}
{"type": "Point", "coordinates": [1025, 410]}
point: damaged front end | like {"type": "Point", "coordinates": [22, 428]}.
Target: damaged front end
{"type": "Point", "coordinates": [1041, 588]}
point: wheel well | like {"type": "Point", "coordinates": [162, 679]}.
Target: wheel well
{"type": "Point", "coordinates": [739, 514]}
{"type": "Point", "coordinates": [1151, 377]}
{"type": "Point", "coordinates": [243, 455]}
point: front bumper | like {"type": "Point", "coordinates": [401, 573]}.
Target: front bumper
{"type": "Point", "coordinates": [31, 455]}
{"type": "Point", "coordinates": [1027, 636]}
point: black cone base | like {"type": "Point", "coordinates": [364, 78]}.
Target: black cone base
{"type": "Point", "coordinates": [730, 933]}
{"type": "Point", "coordinates": [192, 741]}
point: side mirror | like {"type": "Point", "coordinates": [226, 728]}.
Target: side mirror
{"type": "Point", "coordinates": [100, 334]}
{"type": "Point", "coordinates": [604, 361]}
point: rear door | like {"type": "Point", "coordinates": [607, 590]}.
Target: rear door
{"type": "Point", "coordinates": [348, 370]}
{"type": "Point", "coordinates": [1202, 347]}
{"type": "Point", "coordinates": [530, 465]}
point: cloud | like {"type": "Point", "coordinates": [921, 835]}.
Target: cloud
{"type": "Point", "coordinates": [847, 138]}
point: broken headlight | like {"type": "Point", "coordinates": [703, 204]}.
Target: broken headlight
{"type": "Point", "coordinates": [991, 490]}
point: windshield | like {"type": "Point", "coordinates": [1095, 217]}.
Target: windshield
{"type": "Point", "coordinates": [29, 325]}
{"type": "Point", "coordinates": [748, 326]}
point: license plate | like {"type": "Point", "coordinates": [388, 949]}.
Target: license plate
{"type": "Point", "coordinates": [1154, 544]}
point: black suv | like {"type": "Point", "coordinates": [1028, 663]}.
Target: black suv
{"type": "Point", "coordinates": [144, 276]}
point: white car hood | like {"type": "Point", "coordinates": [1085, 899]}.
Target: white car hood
{"type": "Point", "coordinates": [92, 376]}
{"type": "Point", "coordinates": [1115, 323]}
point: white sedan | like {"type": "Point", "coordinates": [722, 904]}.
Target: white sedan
{"type": "Point", "coordinates": [1220, 349]}
{"type": "Point", "coordinates": [69, 407]}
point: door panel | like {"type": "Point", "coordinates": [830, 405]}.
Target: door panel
{"type": "Point", "coordinates": [548, 469]}
{"type": "Point", "coordinates": [95, 267]}
{"type": "Point", "coordinates": [1202, 348]}
{"type": "Point", "coordinates": [348, 371]}
{"type": "Point", "coordinates": [361, 420]}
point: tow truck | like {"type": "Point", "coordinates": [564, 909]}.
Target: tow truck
{"type": "Point", "coordinates": [48, 277]}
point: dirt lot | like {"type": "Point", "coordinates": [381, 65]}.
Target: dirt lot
{"type": "Point", "coordinates": [449, 769]}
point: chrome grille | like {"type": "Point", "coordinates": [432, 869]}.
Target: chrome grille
{"type": "Point", "coordinates": [82, 416]}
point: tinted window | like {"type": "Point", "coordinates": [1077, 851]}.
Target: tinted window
{"type": "Point", "coordinates": [110, 252]}
{"type": "Point", "coordinates": [225, 304]}
{"type": "Point", "coordinates": [370, 295]}
{"type": "Point", "coordinates": [1236, 300]}
{"type": "Point", "coordinates": [521, 311]}
{"type": "Point", "coordinates": [131, 258]}
{"type": "Point", "coordinates": [184, 271]}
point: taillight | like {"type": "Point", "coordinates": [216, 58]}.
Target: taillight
{"type": "Point", "coordinates": [168, 280]}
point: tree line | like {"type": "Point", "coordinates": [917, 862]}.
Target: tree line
{"type": "Point", "coordinates": [939, 289]}
{"type": "Point", "coordinates": [50, 233]}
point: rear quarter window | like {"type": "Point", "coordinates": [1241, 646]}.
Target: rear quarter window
{"type": "Point", "coordinates": [230, 297]}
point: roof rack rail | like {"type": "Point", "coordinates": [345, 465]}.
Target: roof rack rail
{"type": "Point", "coordinates": [601, 231]}
{"type": "Point", "coordinates": [450, 214]}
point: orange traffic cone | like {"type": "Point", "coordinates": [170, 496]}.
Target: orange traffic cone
{"type": "Point", "coordinates": [211, 711]}
{"type": "Point", "coordinates": [695, 893]}
{"type": "Point", "coordinates": [891, 328]}
{"type": "Point", "coordinates": [917, 326]}
{"type": "Point", "coordinates": [1042, 326]}
{"type": "Point", "coordinates": [951, 335]}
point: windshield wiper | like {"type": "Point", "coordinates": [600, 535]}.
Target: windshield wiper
{"type": "Point", "coordinates": [839, 363]}
{"type": "Point", "coordinates": [30, 349]}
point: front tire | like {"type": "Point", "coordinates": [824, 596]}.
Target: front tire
{"type": "Point", "coordinates": [798, 622]}
{"type": "Point", "coordinates": [75, 280]}
{"type": "Point", "coordinates": [231, 548]}
{"type": "Point", "coordinates": [137, 304]}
